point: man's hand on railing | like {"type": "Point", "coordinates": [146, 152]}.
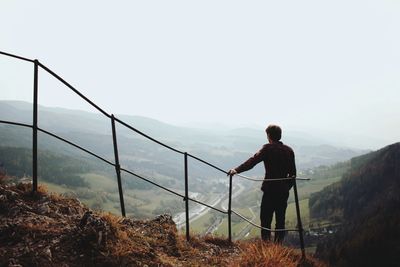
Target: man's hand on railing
{"type": "Point", "coordinates": [231, 172]}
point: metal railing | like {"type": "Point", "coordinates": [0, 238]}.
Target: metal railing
{"type": "Point", "coordinates": [118, 168]}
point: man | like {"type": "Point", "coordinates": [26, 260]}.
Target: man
{"type": "Point", "coordinates": [279, 163]}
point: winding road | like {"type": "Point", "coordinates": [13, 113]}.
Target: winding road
{"type": "Point", "coordinates": [200, 210]}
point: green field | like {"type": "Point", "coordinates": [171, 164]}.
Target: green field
{"type": "Point", "coordinates": [55, 188]}
{"type": "Point", "coordinates": [146, 201]}
{"type": "Point", "coordinates": [102, 194]}
{"type": "Point", "coordinates": [291, 215]}
{"type": "Point", "coordinates": [97, 181]}
{"type": "Point", "coordinates": [237, 223]}
{"type": "Point", "coordinates": [291, 218]}
{"type": "Point", "coordinates": [201, 224]}
{"type": "Point", "coordinates": [306, 188]}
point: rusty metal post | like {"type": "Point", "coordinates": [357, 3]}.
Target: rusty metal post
{"type": "Point", "coordinates": [35, 127]}
{"type": "Point", "coordinates": [117, 166]}
{"type": "Point", "coordinates": [299, 224]}
{"type": "Point", "coordinates": [230, 209]}
{"type": "Point", "coordinates": [187, 198]}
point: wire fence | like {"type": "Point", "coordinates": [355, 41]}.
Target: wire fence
{"type": "Point", "coordinates": [270, 180]}
{"type": "Point", "coordinates": [119, 169]}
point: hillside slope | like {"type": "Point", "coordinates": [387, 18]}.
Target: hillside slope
{"type": "Point", "coordinates": [366, 202]}
{"type": "Point", "coordinates": [49, 230]}
{"type": "Point", "coordinates": [223, 147]}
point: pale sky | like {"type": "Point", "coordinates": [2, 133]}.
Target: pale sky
{"type": "Point", "coordinates": [322, 65]}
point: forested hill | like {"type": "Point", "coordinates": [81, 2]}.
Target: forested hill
{"type": "Point", "coordinates": [366, 202]}
{"type": "Point", "coordinates": [53, 167]}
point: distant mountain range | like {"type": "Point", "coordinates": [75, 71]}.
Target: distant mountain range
{"type": "Point", "coordinates": [226, 148]}
{"type": "Point", "coordinates": [366, 202]}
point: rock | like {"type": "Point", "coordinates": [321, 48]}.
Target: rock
{"type": "Point", "coordinates": [11, 194]}
{"type": "Point", "coordinates": [44, 208]}
{"type": "Point", "coordinates": [85, 219]}
{"type": "Point", "coordinates": [3, 198]}
{"type": "Point", "coordinates": [164, 218]}
{"type": "Point", "coordinates": [14, 211]}
{"type": "Point", "coordinates": [47, 253]}
{"type": "Point", "coordinates": [100, 237]}
{"type": "Point", "coordinates": [94, 228]}
{"type": "Point", "coordinates": [13, 263]}
{"type": "Point", "coordinates": [71, 235]}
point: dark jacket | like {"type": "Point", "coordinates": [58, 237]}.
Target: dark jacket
{"type": "Point", "coordinates": [278, 162]}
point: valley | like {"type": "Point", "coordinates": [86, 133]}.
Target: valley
{"type": "Point", "coordinates": [66, 170]}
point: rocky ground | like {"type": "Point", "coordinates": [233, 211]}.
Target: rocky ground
{"type": "Point", "coordinates": [50, 230]}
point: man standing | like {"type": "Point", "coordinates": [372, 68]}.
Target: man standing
{"type": "Point", "coordinates": [279, 163]}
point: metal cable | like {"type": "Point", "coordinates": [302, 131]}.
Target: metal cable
{"type": "Point", "coordinates": [153, 183]}
{"type": "Point", "coordinates": [110, 163]}
{"type": "Point", "coordinates": [271, 180]}
{"type": "Point", "coordinates": [18, 57]}
{"type": "Point", "coordinates": [147, 136]}
{"type": "Point", "coordinates": [207, 163]}
{"type": "Point", "coordinates": [75, 145]}
{"type": "Point", "coordinates": [204, 204]}
{"type": "Point", "coordinates": [171, 191]}
{"type": "Point", "coordinates": [264, 228]}
{"type": "Point", "coordinates": [73, 89]}
{"type": "Point", "coordinates": [16, 123]}
{"type": "Point", "coordinates": [108, 115]}
{"type": "Point", "coordinates": [125, 170]}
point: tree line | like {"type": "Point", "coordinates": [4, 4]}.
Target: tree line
{"type": "Point", "coordinates": [52, 167]}
{"type": "Point", "coordinates": [366, 201]}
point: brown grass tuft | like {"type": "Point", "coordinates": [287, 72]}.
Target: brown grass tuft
{"type": "Point", "coordinates": [266, 254]}
{"type": "Point", "coordinates": [112, 219]}
{"type": "Point", "coordinates": [26, 189]}
{"type": "Point", "coordinates": [123, 240]}
{"type": "Point", "coordinates": [56, 197]}
{"type": "Point", "coordinates": [76, 236]}
{"type": "Point", "coordinates": [43, 189]}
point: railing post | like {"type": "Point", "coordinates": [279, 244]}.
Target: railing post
{"type": "Point", "coordinates": [187, 197]}
{"type": "Point", "coordinates": [35, 126]}
{"type": "Point", "coordinates": [299, 224]}
{"type": "Point", "coordinates": [230, 209]}
{"type": "Point", "coordinates": [117, 166]}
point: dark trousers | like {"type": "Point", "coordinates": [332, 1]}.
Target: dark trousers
{"type": "Point", "coordinates": [271, 203]}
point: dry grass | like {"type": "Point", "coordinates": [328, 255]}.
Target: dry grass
{"type": "Point", "coordinates": [199, 251]}
{"type": "Point", "coordinates": [205, 251]}
{"type": "Point", "coordinates": [124, 245]}
{"type": "Point", "coordinates": [42, 228]}
{"type": "Point", "coordinates": [267, 254]}
{"type": "Point", "coordinates": [103, 239]}
{"type": "Point", "coordinates": [42, 189]}
{"type": "Point", "coordinates": [124, 241]}
{"type": "Point", "coordinates": [26, 188]}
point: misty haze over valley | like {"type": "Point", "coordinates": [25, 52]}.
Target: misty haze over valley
{"type": "Point", "coordinates": [192, 86]}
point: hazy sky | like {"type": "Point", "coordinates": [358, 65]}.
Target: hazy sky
{"type": "Point", "coordinates": [327, 65]}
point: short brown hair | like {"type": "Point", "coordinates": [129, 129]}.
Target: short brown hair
{"type": "Point", "coordinates": [274, 132]}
